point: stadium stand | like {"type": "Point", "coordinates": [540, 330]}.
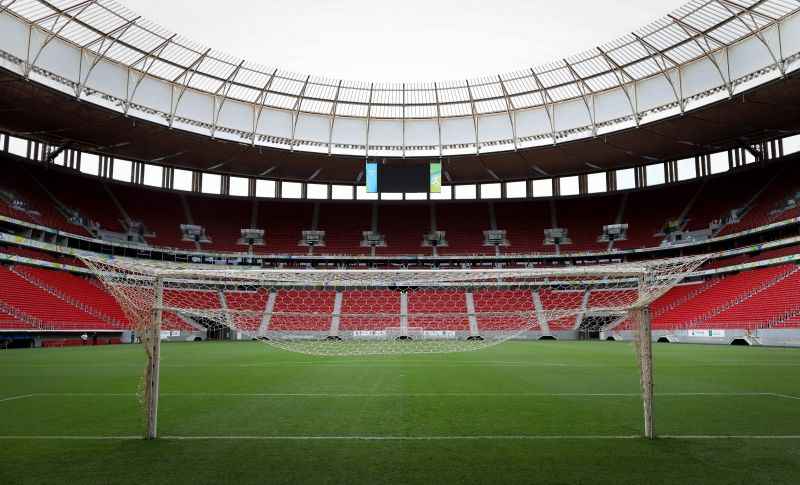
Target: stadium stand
{"type": "Point", "coordinates": [84, 195]}
{"type": "Point", "coordinates": [171, 321]}
{"type": "Point", "coordinates": [553, 300]}
{"type": "Point", "coordinates": [161, 212]}
{"type": "Point", "coordinates": [316, 306]}
{"type": "Point", "coordinates": [30, 253]}
{"type": "Point", "coordinates": [503, 300]}
{"type": "Point", "coordinates": [247, 300]}
{"type": "Point", "coordinates": [384, 303]}
{"type": "Point", "coordinates": [343, 225]}
{"type": "Point", "coordinates": [284, 223]}
{"type": "Point", "coordinates": [753, 257]}
{"type": "Point", "coordinates": [645, 227]}
{"type": "Point", "coordinates": [692, 205]}
{"type": "Point", "coordinates": [584, 232]}
{"type": "Point", "coordinates": [524, 223]}
{"type": "Point", "coordinates": [682, 309]}
{"type": "Point", "coordinates": [766, 297]}
{"type": "Point", "coordinates": [760, 305]}
{"type": "Point", "coordinates": [717, 197]}
{"type": "Point", "coordinates": [42, 303]}
{"type": "Point", "coordinates": [85, 292]}
{"type": "Point", "coordinates": [463, 224]}
{"type": "Point", "coordinates": [404, 227]}
{"type": "Point", "coordinates": [223, 219]}
{"type": "Point", "coordinates": [431, 303]}
{"type": "Point", "coordinates": [10, 321]}
{"type": "Point", "coordinates": [771, 204]}
{"type": "Point", "coordinates": [22, 198]}
{"type": "Point", "coordinates": [742, 300]}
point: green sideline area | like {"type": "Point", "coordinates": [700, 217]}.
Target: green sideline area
{"type": "Point", "coordinates": [521, 412]}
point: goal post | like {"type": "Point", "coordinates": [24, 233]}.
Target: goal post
{"type": "Point", "coordinates": [369, 312]}
{"type": "Point", "coordinates": [643, 343]}
{"type": "Point", "coordinates": [153, 347]}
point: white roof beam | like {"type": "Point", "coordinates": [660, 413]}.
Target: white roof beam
{"type": "Point", "coordinates": [5, 7]}
{"type": "Point", "coordinates": [369, 112]}
{"type": "Point", "coordinates": [191, 68]}
{"type": "Point", "coordinates": [52, 32]}
{"type": "Point", "coordinates": [694, 32]}
{"type": "Point", "coordinates": [619, 72]}
{"type": "Point", "coordinates": [101, 53]}
{"type": "Point", "coordinates": [726, 4]}
{"type": "Point", "coordinates": [152, 56]}
{"type": "Point", "coordinates": [296, 111]}
{"type": "Point", "coordinates": [548, 104]}
{"type": "Point", "coordinates": [438, 116]}
{"type": "Point", "coordinates": [187, 76]}
{"type": "Point", "coordinates": [260, 102]}
{"type": "Point", "coordinates": [662, 67]}
{"type": "Point", "coordinates": [751, 9]}
{"type": "Point", "coordinates": [333, 116]}
{"type": "Point", "coordinates": [584, 90]}
{"type": "Point", "coordinates": [509, 110]}
{"type": "Point", "coordinates": [153, 53]}
{"type": "Point", "coordinates": [58, 12]}
{"type": "Point", "coordinates": [474, 118]}
{"type": "Point", "coordinates": [226, 88]}
{"type": "Point", "coordinates": [121, 29]}
{"type": "Point", "coordinates": [403, 104]}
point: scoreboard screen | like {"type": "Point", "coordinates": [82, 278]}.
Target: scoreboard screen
{"type": "Point", "coordinates": [405, 177]}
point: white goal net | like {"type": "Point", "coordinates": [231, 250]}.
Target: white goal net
{"type": "Point", "coordinates": [348, 312]}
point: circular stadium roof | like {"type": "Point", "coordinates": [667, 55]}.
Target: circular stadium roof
{"type": "Point", "coordinates": [101, 51]}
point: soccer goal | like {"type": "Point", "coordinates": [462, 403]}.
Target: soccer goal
{"type": "Point", "coordinates": [362, 312]}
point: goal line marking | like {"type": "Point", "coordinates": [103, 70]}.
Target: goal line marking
{"type": "Point", "coordinates": [391, 438]}
{"type": "Point", "coordinates": [279, 395]}
{"type": "Point", "coordinates": [408, 364]}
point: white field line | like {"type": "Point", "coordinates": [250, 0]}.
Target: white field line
{"type": "Point", "coordinates": [730, 437]}
{"type": "Point", "coordinates": [407, 394]}
{"type": "Point", "coordinates": [70, 438]}
{"type": "Point", "coordinates": [14, 398]}
{"type": "Point", "coordinates": [392, 438]}
{"type": "Point", "coordinates": [412, 364]}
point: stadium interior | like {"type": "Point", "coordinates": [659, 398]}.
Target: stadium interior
{"type": "Point", "coordinates": [124, 144]}
{"type": "Point", "coordinates": [747, 215]}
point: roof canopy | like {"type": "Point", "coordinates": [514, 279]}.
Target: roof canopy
{"type": "Point", "coordinates": [703, 49]}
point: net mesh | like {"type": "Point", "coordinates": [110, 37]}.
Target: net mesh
{"type": "Point", "coordinates": [346, 312]}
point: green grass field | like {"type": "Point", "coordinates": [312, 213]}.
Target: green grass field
{"type": "Point", "coordinates": [537, 412]}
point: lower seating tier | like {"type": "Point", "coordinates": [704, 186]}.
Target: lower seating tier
{"type": "Point", "coordinates": [42, 299]}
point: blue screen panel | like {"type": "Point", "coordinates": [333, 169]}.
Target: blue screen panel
{"type": "Point", "coordinates": [372, 177]}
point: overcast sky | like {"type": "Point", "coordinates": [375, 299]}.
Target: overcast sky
{"type": "Point", "coordinates": [407, 40]}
